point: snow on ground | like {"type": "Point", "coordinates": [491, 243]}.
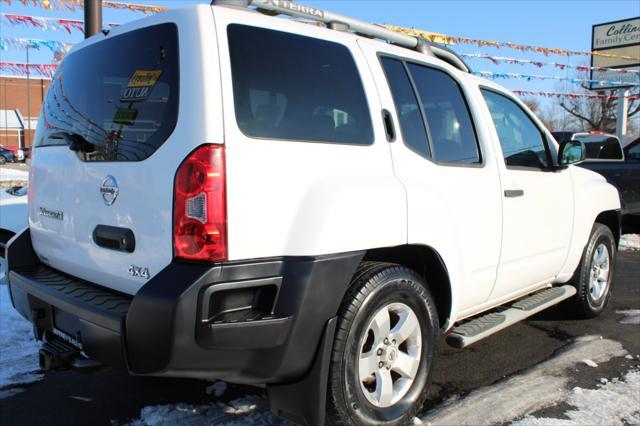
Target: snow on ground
{"type": "Point", "coordinates": [538, 387]}
{"type": "Point", "coordinates": [7, 174]}
{"type": "Point", "coordinates": [250, 410]}
{"type": "Point", "coordinates": [631, 316]}
{"type": "Point", "coordinates": [18, 348]}
{"type": "Point", "coordinates": [614, 403]}
{"type": "Point", "coordinates": [630, 242]}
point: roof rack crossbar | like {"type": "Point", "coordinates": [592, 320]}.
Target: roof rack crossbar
{"type": "Point", "coordinates": [334, 20]}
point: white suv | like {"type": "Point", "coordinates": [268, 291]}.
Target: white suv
{"type": "Point", "coordinates": [218, 193]}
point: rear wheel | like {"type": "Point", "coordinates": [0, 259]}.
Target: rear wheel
{"type": "Point", "coordinates": [3, 159]}
{"type": "Point", "coordinates": [594, 275]}
{"type": "Point", "coordinates": [384, 347]}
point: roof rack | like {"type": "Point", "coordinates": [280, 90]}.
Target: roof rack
{"type": "Point", "coordinates": [344, 23]}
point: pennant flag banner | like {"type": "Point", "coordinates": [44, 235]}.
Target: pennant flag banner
{"type": "Point", "coordinates": [498, 44]}
{"type": "Point", "coordinates": [526, 77]}
{"type": "Point", "coordinates": [47, 23]}
{"type": "Point", "coordinates": [7, 43]}
{"type": "Point", "coordinates": [570, 95]}
{"type": "Point", "coordinates": [45, 70]}
{"type": "Point", "coordinates": [584, 69]}
{"type": "Point", "coordinates": [73, 5]}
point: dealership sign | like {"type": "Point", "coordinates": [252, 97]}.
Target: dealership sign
{"type": "Point", "coordinates": [618, 44]}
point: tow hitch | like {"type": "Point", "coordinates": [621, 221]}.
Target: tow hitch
{"type": "Point", "coordinates": [57, 354]}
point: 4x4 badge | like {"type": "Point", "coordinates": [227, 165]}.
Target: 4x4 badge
{"type": "Point", "coordinates": [109, 190]}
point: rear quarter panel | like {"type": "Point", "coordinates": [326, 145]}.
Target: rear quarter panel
{"type": "Point", "coordinates": [288, 198]}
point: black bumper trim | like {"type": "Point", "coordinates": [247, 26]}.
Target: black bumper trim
{"type": "Point", "coordinates": [160, 331]}
{"type": "Point", "coordinates": [88, 301]}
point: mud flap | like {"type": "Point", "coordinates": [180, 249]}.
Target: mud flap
{"type": "Point", "coordinates": [304, 401]}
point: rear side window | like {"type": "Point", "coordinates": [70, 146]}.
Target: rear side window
{"type": "Point", "coordinates": [521, 140]}
{"type": "Point", "coordinates": [118, 98]}
{"type": "Point", "coordinates": [407, 107]}
{"type": "Point", "coordinates": [602, 147]}
{"type": "Point", "coordinates": [453, 137]}
{"type": "Point", "coordinates": [291, 87]}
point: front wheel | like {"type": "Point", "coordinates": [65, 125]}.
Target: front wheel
{"type": "Point", "coordinates": [384, 348]}
{"type": "Point", "coordinates": [3, 159]}
{"type": "Point", "coordinates": [594, 275]}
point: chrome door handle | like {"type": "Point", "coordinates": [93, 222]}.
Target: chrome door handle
{"type": "Point", "coordinates": [512, 193]}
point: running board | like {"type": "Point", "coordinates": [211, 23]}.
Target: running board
{"type": "Point", "coordinates": [484, 326]}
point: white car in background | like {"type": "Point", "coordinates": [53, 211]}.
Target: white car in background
{"type": "Point", "coordinates": [13, 214]}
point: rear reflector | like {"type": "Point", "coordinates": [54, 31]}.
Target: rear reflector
{"type": "Point", "coordinates": [200, 210]}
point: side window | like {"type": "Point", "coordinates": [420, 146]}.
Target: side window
{"type": "Point", "coordinates": [521, 140]}
{"type": "Point", "coordinates": [290, 87]}
{"type": "Point", "coordinates": [599, 148]}
{"type": "Point", "coordinates": [633, 153]}
{"type": "Point", "coordinates": [411, 124]}
{"type": "Point", "coordinates": [451, 130]}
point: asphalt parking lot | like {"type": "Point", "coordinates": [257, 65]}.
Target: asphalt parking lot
{"type": "Point", "coordinates": [112, 397]}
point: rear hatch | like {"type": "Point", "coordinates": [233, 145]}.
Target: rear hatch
{"type": "Point", "coordinates": [107, 148]}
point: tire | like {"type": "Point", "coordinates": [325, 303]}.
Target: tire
{"type": "Point", "coordinates": [381, 292]}
{"type": "Point", "coordinates": [598, 259]}
{"type": "Point", "coordinates": [3, 159]}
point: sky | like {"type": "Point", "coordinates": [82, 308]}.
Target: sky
{"type": "Point", "coordinates": [549, 23]}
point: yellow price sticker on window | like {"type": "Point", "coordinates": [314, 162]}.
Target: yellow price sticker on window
{"type": "Point", "coordinates": [142, 78]}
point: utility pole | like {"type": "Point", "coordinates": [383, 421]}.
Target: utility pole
{"type": "Point", "coordinates": [27, 135]}
{"type": "Point", "coordinates": [92, 17]}
{"type": "Point", "coordinates": [623, 110]}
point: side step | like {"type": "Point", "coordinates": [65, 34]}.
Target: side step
{"type": "Point", "coordinates": [484, 326]}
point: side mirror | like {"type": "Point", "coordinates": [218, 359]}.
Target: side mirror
{"type": "Point", "coordinates": [571, 152]}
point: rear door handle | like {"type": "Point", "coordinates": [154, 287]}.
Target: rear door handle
{"type": "Point", "coordinates": [114, 238]}
{"type": "Point", "coordinates": [512, 193]}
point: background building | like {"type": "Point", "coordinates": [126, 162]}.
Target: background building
{"type": "Point", "coordinates": [20, 102]}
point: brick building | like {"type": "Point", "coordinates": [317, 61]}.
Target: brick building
{"type": "Point", "coordinates": [15, 94]}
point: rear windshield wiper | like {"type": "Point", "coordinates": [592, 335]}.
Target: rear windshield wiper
{"type": "Point", "coordinates": [76, 142]}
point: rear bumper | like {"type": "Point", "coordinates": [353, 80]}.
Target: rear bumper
{"type": "Point", "coordinates": [245, 322]}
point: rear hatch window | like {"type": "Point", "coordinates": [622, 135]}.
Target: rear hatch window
{"type": "Point", "coordinates": [116, 100]}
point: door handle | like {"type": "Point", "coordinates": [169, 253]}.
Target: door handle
{"type": "Point", "coordinates": [512, 193]}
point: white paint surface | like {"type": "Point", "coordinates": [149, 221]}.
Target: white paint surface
{"type": "Point", "coordinates": [631, 316]}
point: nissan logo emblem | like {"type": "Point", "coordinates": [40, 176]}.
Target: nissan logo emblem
{"type": "Point", "coordinates": [109, 190]}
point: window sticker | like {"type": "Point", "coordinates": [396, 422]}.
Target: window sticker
{"type": "Point", "coordinates": [125, 116]}
{"type": "Point", "coordinates": [140, 85]}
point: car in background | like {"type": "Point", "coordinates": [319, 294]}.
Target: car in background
{"type": "Point", "coordinates": [6, 155]}
{"type": "Point", "coordinates": [620, 166]}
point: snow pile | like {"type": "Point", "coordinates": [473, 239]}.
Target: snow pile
{"type": "Point", "coordinates": [250, 410]}
{"type": "Point", "coordinates": [613, 403]}
{"type": "Point", "coordinates": [631, 316]}
{"type": "Point", "coordinates": [538, 387]}
{"type": "Point", "coordinates": [630, 242]}
{"type": "Point", "coordinates": [7, 174]}
{"type": "Point", "coordinates": [18, 348]}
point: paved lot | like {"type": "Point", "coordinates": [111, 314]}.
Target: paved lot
{"type": "Point", "coordinates": [112, 397]}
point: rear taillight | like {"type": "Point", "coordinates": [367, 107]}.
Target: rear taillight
{"type": "Point", "coordinates": [200, 210]}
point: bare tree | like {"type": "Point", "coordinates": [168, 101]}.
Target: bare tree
{"type": "Point", "coordinates": [598, 113]}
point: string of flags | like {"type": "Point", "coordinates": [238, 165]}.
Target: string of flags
{"type": "Point", "coordinates": [447, 39]}
{"type": "Point", "coordinates": [539, 64]}
{"type": "Point", "coordinates": [7, 43]}
{"type": "Point", "coordinates": [73, 5]}
{"type": "Point", "coordinates": [44, 24]}
{"type": "Point", "coordinates": [46, 70]}
{"type": "Point", "coordinates": [527, 77]}
{"type": "Point", "coordinates": [570, 95]}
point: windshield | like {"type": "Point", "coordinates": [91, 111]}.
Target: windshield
{"type": "Point", "coordinates": [119, 96]}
